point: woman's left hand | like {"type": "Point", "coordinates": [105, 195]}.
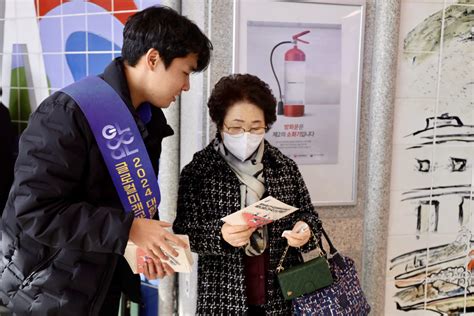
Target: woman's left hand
{"type": "Point", "coordinates": [299, 235]}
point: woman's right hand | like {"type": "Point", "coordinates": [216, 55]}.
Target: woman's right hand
{"type": "Point", "coordinates": [236, 235]}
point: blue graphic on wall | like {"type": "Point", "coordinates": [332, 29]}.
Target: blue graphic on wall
{"type": "Point", "coordinates": [81, 38]}
{"type": "Point", "coordinates": [93, 64]}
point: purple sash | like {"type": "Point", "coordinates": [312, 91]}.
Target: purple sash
{"type": "Point", "coordinates": [120, 143]}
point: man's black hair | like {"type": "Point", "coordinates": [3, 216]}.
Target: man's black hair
{"type": "Point", "coordinates": [165, 30]}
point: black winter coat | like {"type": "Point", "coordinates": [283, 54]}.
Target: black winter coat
{"type": "Point", "coordinates": [64, 229]}
{"type": "Point", "coordinates": [208, 191]}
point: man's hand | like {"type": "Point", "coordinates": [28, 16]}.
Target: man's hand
{"type": "Point", "coordinates": [236, 235]}
{"type": "Point", "coordinates": [151, 236]}
{"type": "Point", "coordinates": [155, 269]}
{"type": "Point", "coordinates": [299, 235]}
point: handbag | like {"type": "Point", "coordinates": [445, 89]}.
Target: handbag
{"type": "Point", "coordinates": [303, 278]}
{"type": "Point", "coordinates": [343, 297]}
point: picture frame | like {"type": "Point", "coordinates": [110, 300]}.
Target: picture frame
{"type": "Point", "coordinates": [310, 55]}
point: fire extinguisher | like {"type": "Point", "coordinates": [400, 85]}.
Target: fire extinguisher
{"type": "Point", "coordinates": [295, 78]}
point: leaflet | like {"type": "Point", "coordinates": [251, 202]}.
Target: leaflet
{"type": "Point", "coordinates": [260, 213]}
{"type": "Point", "coordinates": [184, 261]}
{"type": "Point", "coordinates": [136, 257]}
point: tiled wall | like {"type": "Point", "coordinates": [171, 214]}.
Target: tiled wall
{"type": "Point", "coordinates": [48, 44]}
{"type": "Point", "coordinates": [430, 268]}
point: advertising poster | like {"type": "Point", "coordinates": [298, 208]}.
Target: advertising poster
{"type": "Point", "coordinates": [306, 79]}
{"type": "Point", "coordinates": [310, 54]}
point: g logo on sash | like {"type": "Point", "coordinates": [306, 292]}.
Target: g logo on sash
{"type": "Point", "coordinates": [118, 145]}
{"type": "Point", "coordinates": [109, 132]}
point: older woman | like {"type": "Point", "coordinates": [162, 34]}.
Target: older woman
{"type": "Point", "coordinates": [237, 264]}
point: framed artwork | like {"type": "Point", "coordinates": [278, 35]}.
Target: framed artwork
{"type": "Point", "coordinates": [310, 54]}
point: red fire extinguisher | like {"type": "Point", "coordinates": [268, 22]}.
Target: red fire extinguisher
{"type": "Point", "coordinates": [295, 78]}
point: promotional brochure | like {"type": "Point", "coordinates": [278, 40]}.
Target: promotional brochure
{"type": "Point", "coordinates": [136, 257]}
{"type": "Point", "coordinates": [260, 213]}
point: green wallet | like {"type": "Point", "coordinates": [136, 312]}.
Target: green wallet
{"type": "Point", "coordinates": [305, 278]}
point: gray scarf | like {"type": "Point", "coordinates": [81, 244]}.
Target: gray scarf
{"type": "Point", "coordinates": [252, 188]}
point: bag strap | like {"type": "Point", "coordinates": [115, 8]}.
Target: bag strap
{"type": "Point", "coordinates": [333, 255]}
{"type": "Point", "coordinates": [333, 252]}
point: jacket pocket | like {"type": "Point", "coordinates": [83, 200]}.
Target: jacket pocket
{"type": "Point", "coordinates": [40, 266]}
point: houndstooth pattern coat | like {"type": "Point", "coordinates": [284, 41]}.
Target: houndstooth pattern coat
{"type": "Point", "coordinates": [208, 191]}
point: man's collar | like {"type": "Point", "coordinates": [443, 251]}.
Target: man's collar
{"type": "Point", "coordinates": [114, 75]}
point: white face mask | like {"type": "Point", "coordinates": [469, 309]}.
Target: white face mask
{"type": "Point", "coordinates": [243, 145]}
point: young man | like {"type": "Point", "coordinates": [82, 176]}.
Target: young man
{"type": "Point", "coordinates": [64, 229]}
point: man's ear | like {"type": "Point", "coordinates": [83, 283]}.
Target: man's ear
{"type": "Point", "coordinates": [152, 58]}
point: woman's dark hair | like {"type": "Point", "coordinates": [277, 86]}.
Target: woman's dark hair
{"type": "Point", "coordinates": [165, 30]}
{"type": "Point", "coordinates": [241, 87]}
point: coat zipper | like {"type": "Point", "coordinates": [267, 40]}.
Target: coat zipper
{"type": "Point", "coordinates": [38, 267]}
{"type": "Point", "coordinates": [105, 280]}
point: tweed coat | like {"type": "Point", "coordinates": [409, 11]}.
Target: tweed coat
{"type": "Point", "coordinates": [208, 191]}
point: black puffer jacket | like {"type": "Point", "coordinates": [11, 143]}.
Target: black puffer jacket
{"type": "Point", "coordinates": [208, 191]}
{"type": "Point", "coordinates": [64, 230]}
